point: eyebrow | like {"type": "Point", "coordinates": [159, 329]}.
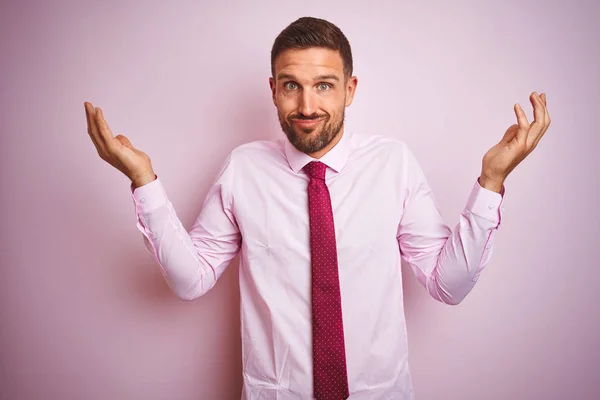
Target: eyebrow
{"type": "Point", "coordinates": [317, 78]}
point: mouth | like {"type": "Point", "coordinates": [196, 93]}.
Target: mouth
{"type": "Point", "coordinates": [307, 123]}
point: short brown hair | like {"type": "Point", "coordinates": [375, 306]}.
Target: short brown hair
{"type": "Point", "coordinates": [307, 32]}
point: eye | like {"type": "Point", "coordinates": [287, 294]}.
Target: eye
{"type": "Point", "coordinates": [290, 85]}
{"type": "Point", "coordinates": [324, 86]}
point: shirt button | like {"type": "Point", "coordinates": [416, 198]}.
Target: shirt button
{"type": "Point", "coordinates": [143, 200]}
{"type": "Point", "coordinates": [490, 206]}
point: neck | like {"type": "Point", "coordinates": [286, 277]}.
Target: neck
{"type": "Point", "coordinates": [331, 145]}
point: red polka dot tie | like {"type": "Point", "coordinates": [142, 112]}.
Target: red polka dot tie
{"type": "Point", "coordinates": [329, 353]}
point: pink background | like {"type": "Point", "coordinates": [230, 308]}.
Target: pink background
{"type": "Point", "coordinates": [85, 313]}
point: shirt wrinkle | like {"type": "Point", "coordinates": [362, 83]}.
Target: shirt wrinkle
{"type": "Point", "coordinates": [384, 211]}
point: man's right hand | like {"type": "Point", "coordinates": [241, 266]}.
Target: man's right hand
{"type": "Point", "coordinates": [118, 151]}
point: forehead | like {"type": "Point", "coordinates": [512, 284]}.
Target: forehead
{"type": "Point", "coordinates": [307, 63]}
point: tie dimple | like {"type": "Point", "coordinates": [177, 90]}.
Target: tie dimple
{"type": "Point", "coordinates": [316, 170]}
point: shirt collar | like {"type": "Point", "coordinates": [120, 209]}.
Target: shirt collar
{"type": "Point", "coordinates": [335, 158]}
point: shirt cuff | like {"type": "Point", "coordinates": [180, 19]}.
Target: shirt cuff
{"type": "Point", "coordinates": [149, 196]}
{"type": "Point", "coordinates": [486, 203]}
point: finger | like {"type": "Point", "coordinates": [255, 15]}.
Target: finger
{"type": "Point", "coordinates": [87, 118]}
{"type": "Point", "coordinates": [523, 123]}
{"type": "Point", "coordinates": [92, 129]}
{"type": "Point", "coordinates": [538, 105]}
{"type": "Point", "coordinates": [546, 115]}
{"type": "Point", "coordinates": [90, 115]}
{"type": "Point", "coordinates": [546, 122]}
{"type": "Point", "coordinates": [104, 131]}
{"type": "Point", "coordinates": [545, 103]}
{"type": "Point", "coordinates": [538, 117]}
{"type": "Point", "coordinates": [543, 97]}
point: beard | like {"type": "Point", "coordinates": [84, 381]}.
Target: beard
{"type": "Point", "coordinates": [312, 140]}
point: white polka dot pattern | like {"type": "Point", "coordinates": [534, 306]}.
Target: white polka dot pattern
{"type": "Point", "coordinates": [329, 353]}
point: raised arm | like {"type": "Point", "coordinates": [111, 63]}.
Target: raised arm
{"type": "Point", "coordinates": [191, 262]}
{"type": "Point", "coordinates": [448, 261]}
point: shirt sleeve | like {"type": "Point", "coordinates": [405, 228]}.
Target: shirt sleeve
{"type": "Point", "coordinates": [446, 261]}
{"type": "Point", "coordinates": [191, 262]}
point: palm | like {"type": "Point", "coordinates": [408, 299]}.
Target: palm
{"type": "Point", "coordinates": [130, 158]}
{"type": "Point", "coordinates": [504, 155]}
{"type": "Point", "coordinates": [116, 150]}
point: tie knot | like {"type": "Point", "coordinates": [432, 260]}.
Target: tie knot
{"type": "Point", "coordinates": [315, 169]}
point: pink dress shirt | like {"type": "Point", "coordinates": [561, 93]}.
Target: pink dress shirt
{"type": "Point", "coordinates": [383, 210]}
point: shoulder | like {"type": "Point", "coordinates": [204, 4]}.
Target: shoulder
{"type": "Point", "coordinates": [255, 156]}
{"type": "Point", "coordinates": [258, 149]}
{"type": "Point", "coordinates": [381, 145]}
{"type": "Point", "coordinates": [244, 159]}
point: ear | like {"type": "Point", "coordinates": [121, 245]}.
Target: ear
{"type": "Point", "coordinates": [351, 84]}
{"type": "Point", "coordinates": [273, 89]}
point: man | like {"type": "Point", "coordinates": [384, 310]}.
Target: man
{"type": "Point", "coordinates": [322, 218]}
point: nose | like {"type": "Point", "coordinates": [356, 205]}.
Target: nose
{"type": "Point", "coordinates": [307, 104]}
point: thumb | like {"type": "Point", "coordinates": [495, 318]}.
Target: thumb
{"type": "Point", "coordinates": [124, 141]}
{"type": "Point", "coordinates": [510, 134]}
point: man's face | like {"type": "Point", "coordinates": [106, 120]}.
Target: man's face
{"type": "Point", "coordinates": [311, 93]}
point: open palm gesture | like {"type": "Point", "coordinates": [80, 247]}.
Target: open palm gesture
{"type": "Point", "coordinates": [518, 142]}
{"type": "Point", "coordinates": [117, 150]}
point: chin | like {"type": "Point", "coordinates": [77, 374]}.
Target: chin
{"type": "Point", "coordinates": [308, 131]}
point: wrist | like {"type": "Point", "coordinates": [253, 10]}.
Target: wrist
{"type": "Point", "coordinates": [493, 184]}
{"type": "Point", "coordinates": [143, 179]}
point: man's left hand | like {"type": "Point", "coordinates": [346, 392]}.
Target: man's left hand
{"type": "Point", "coordinates": [518, 142]}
